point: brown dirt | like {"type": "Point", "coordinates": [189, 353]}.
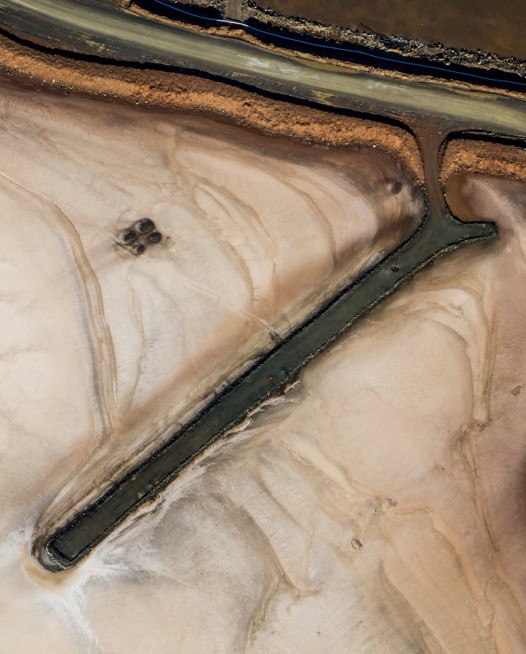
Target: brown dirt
{"type": "Point", "coordinates": [484, 157]}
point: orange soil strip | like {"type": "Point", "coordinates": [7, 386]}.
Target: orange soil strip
{"type": "Point", "coordinates": [185, 92]}
{"type": "Point", "coordinates": [484, 157]}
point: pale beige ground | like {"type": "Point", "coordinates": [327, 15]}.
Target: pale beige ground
{"type": "Point", "coordinates": [104, 352]}
{"type": "Point", "coordinates": [378, 508]}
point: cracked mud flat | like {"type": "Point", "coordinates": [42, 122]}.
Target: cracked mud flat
{"type": "Point", "coordinates": [378, 507]}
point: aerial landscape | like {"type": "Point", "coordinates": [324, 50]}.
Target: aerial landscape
{"type": "Point", "coordinates": [263, 350]}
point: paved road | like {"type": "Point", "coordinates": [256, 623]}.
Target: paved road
{"type": "Point", "coordinates": [100, 28]}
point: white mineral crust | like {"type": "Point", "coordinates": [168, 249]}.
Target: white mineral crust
{"type": "Point", "coordinates": [378, 507]}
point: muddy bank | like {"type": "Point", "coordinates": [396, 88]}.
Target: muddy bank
{"type": "Point", "coordinates": [436, 34]}
{"type": "Point", "coordinates": [472, 25]}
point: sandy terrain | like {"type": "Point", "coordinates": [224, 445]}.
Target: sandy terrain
{"type": "Point", "coordinates": [104, 352]}
{"type": "Point", "coordinates": [378, 508]}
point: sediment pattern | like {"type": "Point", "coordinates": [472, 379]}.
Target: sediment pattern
{"type": "Point", "coordinates": [377, 507]}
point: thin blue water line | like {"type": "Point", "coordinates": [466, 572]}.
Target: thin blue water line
{"type": "Point", "coordinates": [404, 62]}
